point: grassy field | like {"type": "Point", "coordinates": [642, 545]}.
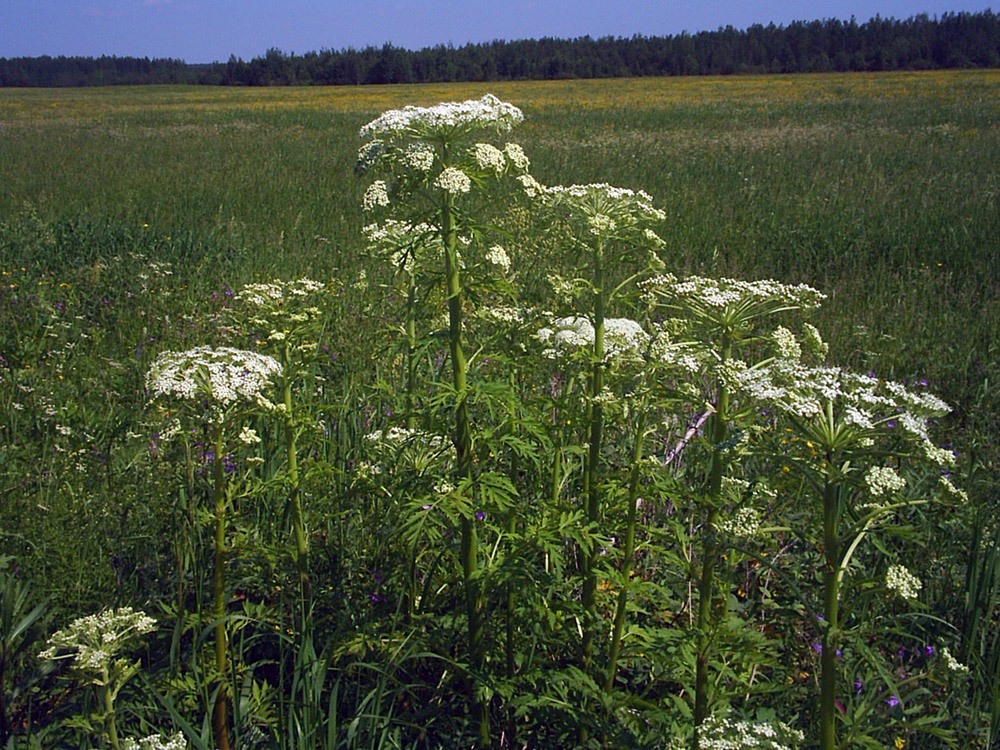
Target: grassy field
{"type": "Point", "coordinates": [881, 190]}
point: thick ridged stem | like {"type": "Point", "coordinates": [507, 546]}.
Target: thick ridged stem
{"type": "Point", "coordinates": [463, 450]}
{"type": "Point", "coordinates": [592, 477]}
{"type": "Point", "coordinates": [629, 552]}
{"type": "Point", "coordinates": [710, 550]}
{"type": "Point", "coordinates": [831, 595]}
{"type": "Point", "coordinates": [108, 705]}
{"type": "Point", "coordinates": [219, 722]}
{"type": "Point", "coordinates": [411, 351]}
{"type": "Point", "coordinates": [294, 489]}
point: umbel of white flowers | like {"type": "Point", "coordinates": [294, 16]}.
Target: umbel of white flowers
{"type": "Point", "coordinates": [93, 641]}
{"type": "Point", "coordinates": [445, 119]}
{"type": "Point", "coordinates": [222, 376]}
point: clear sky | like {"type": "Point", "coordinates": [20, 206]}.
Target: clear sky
{"type": "Point", "coordinates": [210, 30]}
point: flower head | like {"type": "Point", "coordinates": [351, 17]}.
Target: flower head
{"type": "Point", "coordinates": [445, 119]}
{"type": "Point", "coordinates": [223, 375]}
{"type": "Point", "coordinates": [902, 582]}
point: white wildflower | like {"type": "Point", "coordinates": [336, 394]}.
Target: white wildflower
{"type": "Point", "coordinates": [902, 582]}
{"type": "Point", "coordinates": [745, 523]}
{"type": "Point", "coordinates": [223, 375]}
{"type": "Point", "coordinates": [156, 742]}
{"type": "Point", "coordinates": [814, 342]}
{"type": "Point", "coordinates": [601, 225]}
{"type": "Point", "coordinates": [249, 436]}
{"type": "Point", "coordinates": [952, 491]}
{"type": "Point", "coordinates": [92, 641]}
{"type": "Point", "coordinates": [517, 156]}
{"type": "Point", "coordinates": [532, 187]}
{"type": "Point", "coordinates": [883, 480]}
{"type": "Point", "coordinates": [498, 257]}
{"type": "Point", "coordinates": [785, 344]}
{"type": "Point", "coordinates": [376, 195]}
{"type": "Point", "coordinates": [453, 180]}
{"type": "Point", "coordinates": [489, 157]}
{"type": "Point", "coordinates": [419, 157]}
{"type": "Point", "coordinates": [952, 663]}
{"type": "Point", "coordinates": [446, 118]}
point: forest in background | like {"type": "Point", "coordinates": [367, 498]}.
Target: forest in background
{"type": "Point", "coordinates": [953, 40]}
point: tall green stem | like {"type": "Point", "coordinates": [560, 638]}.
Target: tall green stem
{"type": "Point", "coordinates": [592, 477]}
{"type": "Point", "coordinates": [411, 351]}
{"type": "Point", "coordinates": [710, 550]}
{"type": "Point", "coordinates": [463, 449]}
{"type": "Point", "coordinates": [831, 595]}
{"type": "Point", "coordinates": [294, 490]}
{"type": "Point", "coordinates": [108, 705]}
{"type": "Point", "coordinates": [629, 552]}
{"type": "Point", "coordinates": [219, 722]}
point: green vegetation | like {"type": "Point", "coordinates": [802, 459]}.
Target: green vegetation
{"type": "Point", "coordinates": [631, 537]}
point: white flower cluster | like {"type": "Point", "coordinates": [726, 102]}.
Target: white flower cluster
{"type": "Point", "coordinates": [883, 480]}
{"type": "Point", "coordinates": [270, 293]}
{"type": "Point", "coordinates": [785, 344]}
{"type": "Point", "coordinates": [597, 198]}
{"type": "Point", "coordinates": [376, 195]}
{"type": "Point", "coordinates": [223, 375]}
{"type": "Point", "coordinates": [902, 582]}
{"type": "Point", "coordinates": [498, 257]}
{"type": "Point", "coordinates": [402, 241]}
{"type": "Point", "coordinates": [814, 341]}
{"type": "Point", "coordinates": [623, 337]}
{"type": "Point", "coordinates": [728, 734]}
{"type": "Point", "coordinates": [92, 641]}
{"type": "Point", "coordinates": [952, 663]}
{"type": "Point", "coordinates": [863, 402]}
{"type": "Point", "coordinates": [489, 157]}
{"type": "Point", "coordinates": [453, 180]}
{"type": "Point", "coordinates": [601, 224]}
{"type": "Point", "coordinates": [156, 742]}
{"type": "Point", "coordinates": [702, 292]}
{"type": "Point", "coordinates": [517, 157]}
{"type": "Point", "coordinates": [399, 436]}
{"type": "Point", "coordinates": [419, 157]}
{"type": "Point", "coordinates": [951, 490]}
{"type": "Point", "coordinates": [447, 118]}
{"type": "Point", "coordinates": [745, 523]}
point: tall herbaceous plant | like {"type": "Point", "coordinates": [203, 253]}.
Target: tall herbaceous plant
{"type": "Point", "coordinates": [432, 174]}
{"type": "Point", "coordinates": [218, 389]}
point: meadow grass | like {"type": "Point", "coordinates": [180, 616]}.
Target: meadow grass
{"type": "Point", "coordinates": [881, 190]}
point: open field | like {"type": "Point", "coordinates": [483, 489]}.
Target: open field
{"type": "Point", "coordinates": [130, 216]}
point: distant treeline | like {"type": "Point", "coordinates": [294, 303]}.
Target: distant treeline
{"type": "Point", "coordinates": [955, 40]}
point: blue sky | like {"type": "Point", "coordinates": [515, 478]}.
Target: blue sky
{"type": "Point", "coordinates": [208, 30]}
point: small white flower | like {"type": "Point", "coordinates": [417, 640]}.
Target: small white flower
{"type": "Point", "coordinates": [498, 257]}
{"type": "Point", "coordinates": [453, 180]}
{"type": "Point", "coordinates": [517, 156]}
{"type": "Point", "coordinates": [883, 480]}
{"type": "Point", "coordinates": [952, 663]}
{"type": "Point", "coordinates": [489, 158]}
{"type": "Point", "coordinates": [376, 195]}
{"type": "Point", "coordinates": [419, 157]}
{"type": "Point", "coordinates": [902, 582]}
{"type": "Point", "coordinates": [785, 344]}
{"type": "Point", "coordinates": [249, 436]}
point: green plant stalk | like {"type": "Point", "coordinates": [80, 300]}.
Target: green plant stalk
{"type": "Point", "coordinates": [710, 551]}
{"type": "Point", "coordinates": [411, 351]}
{"type": "Point", "coordinates": [108, 706]}
{"type": "Point", "coordinates": [219, 710]}
{"type": "Point", "coordinates": [294, 492]}
{"type": "Point", "coordinates": [592, 477]}
{"type": "Point", "coordinates": [629, 553]}
{"type": "Point", "coordinates": [831, 593]}
{"type": "Point", "coordinates": [463, 450]}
